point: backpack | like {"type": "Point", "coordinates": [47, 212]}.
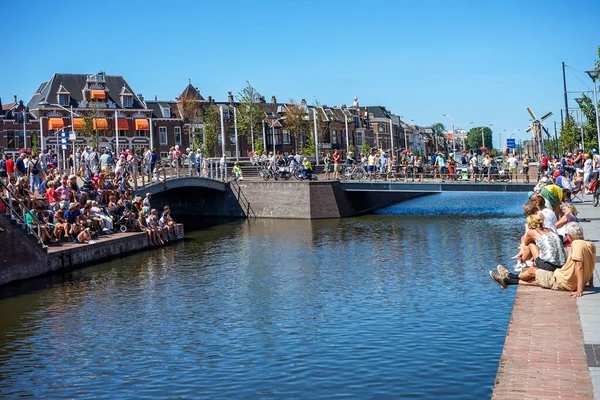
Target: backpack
{"type": "Point", "coordinates": [35, 167]}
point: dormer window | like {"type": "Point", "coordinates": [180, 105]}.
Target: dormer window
{"type": "Point", "coordinates": [64, 99]}
{"type": "Point", "coordinates": [127, 101]}
{"type": "Point", "coordinates": [166, 112]}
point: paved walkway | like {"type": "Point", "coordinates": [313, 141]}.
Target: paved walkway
{"type": "Point", "coordinates": [552, 347]}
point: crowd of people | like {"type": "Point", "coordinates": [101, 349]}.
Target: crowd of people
{"type": "Point", "coordinates": [93, 199]}
{"type": "Point", "coordinates": [553, 252]}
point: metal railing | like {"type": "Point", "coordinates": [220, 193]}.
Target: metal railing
{"type": "Point", "coordinates": [237, 191]}
{"type": "Point", "coordinates": [20, 215]}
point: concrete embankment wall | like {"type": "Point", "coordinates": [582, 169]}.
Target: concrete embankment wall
{"type": "Point", "coordinates": [21, 257]}
{"type": "Point", "coordinates": [313, 200]}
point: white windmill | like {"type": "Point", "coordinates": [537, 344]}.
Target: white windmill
{"type": "Point", "coordinates": [536, 128]}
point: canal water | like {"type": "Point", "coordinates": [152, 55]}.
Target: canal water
{"type": "Point", "coordinates": [392, 305]}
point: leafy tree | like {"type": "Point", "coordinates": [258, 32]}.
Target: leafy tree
{"type": "Point", "coordinates": [474, 137]}
{"type": "Point", "coordinates": [590, 138]}
{"type": "Point", "coordinates": [297, 123]}
{"type": "Point", "coordinates": [438, 131]}
{"type": "Point", "coordinates": [212, 127]}
{"type": "Point", "coordinates": [569, 135]}
{"type": "Point", "coordinates": [191, 112]}
{"type": "Point", "coordinates": [250, 115]}
{"type": "Point", "coordinates": [309, 147]}
{"type": "Point", "coordinates": [88, 129]}
{"type": "Point", "coordinates": [34, 144]}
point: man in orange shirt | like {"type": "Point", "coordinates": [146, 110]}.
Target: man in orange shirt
{"type": "Point", "coordinates": [572, 276]}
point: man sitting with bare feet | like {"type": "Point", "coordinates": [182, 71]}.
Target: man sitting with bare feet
{"type": "Point", "coordinates": [572, 276]}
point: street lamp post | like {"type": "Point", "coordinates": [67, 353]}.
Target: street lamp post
{"type": "Point", "coordinates": [594, 75]}
{"type": "Point", "coordinates": [482, 136]}
{"type": "Point", "coordinates": [453, 131]}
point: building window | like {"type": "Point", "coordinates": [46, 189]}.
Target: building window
{"type": "Point", "coordinates": [140, 133]}
{"type": "Point", "coordinates": [63, 99]}
{"type": "Point", "coordinates": [127, 101]}
{"type": "Point", "coordinates": [177, 133]}
{"type": "Point", "coordinates": [286, 137]}
{"type": "Point", "coordinates": [166, 112]}
{"type": "Point", "coordinates": [359, 139]}
{"type": "Point", "coordinates": [334, 137]}
{"type": "Point", "coordinates": [162, 135]}
{"type": "Point", "coordinates": [225, 114]}
{"type": "Point", "coordinates": [164, 155]}
{"type": "Point", "coordinates": [14, 139]}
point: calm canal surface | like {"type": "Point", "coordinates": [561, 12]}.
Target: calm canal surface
{"type": "Point", "coordinates": [381, 306]}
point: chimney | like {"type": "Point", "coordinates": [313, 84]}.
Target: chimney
{"type": "Point", "coordinates": [273, 100]}
{"type": "Point", "coordinates": [344, 107]}
{"type": "Point", "coordinates": [262, 99]}
{"type": "Point", "coordinates": [15, 99]}
{"type": "Point", "coordinates": [229, 97]}
{"type": "Point", "coordinates": [209, 99]}
{"type": "Point", "coordinates": [140, 97]}
{"type": "Point", "coordinates": [303, 102]}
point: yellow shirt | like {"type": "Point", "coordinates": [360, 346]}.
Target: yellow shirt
{"type": "Point", "coordinates": [581, 250]}
{"type": "Point", "coordinates": [307, 165]}
{"type": "Point", "coordinates": [556, 191]}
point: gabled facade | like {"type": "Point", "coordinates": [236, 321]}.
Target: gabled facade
{"type": "Point", "coordinates": [97, 107]}
{"type": "Point", "coordinates": [167, 127]}
{"type": "Point", "coordinates": [18, 127]}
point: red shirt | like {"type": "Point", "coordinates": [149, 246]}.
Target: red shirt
{"type": "Point", "coordinates": [544, 161]}
{"type": "Point", "coordinates": [51, 195]}
{"type": "Point", "coordinates": [336, 158]}
{"type": "Point", "coordinates": [10, 166]}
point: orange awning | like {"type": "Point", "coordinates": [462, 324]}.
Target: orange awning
{"type": "Point", "coordinates": [55, 123]}
{"type": "Point", "coordinates": [123, 124]}
{"type": "Point", "coordinates": [98, 94]}
{"type": "Point", "coordinates": [78, 123]}
{"type": "Point", "coordinates": [141, 124]}
{"type": "Point", "coordinates": [100, 123]}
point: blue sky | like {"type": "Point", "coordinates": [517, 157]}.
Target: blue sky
{"type": "Point", "coordinates": [480, 61]}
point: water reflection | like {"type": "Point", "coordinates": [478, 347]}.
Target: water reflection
{"type": "Point", "coordinates": [387, 305]}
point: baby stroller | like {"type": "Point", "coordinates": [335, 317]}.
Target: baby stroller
{"type": "Point", "coordinates": [123, 220]}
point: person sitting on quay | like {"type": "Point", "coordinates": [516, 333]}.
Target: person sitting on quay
{"type": "Point", "coordinates": [573, 276]}
{"type": "Point", "coordinates": [307, 168]}
{"type": "Point", "coordinates": [237, 172]}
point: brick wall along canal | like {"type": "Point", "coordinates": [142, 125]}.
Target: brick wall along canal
{"type": "Point", "coordinates": [380, 306]}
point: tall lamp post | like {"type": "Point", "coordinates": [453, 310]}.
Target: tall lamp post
{"type": "Point", "coordinates": [594, 75]}
{"type": "Point", "coordinates": [453, 132]}
{"type": "Point", "coordinates": [463, 136]}
{"type": "Point", "coordinates": [482, 136]}
{"type": "Point", "coordinates": [580, 120]}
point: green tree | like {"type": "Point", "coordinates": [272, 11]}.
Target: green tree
{"type": "Point", "coordinates": [438, 131]}
{"type": "Point", "coordinates": [309, 147]}
{"type": "Point", "coordinates": [212, 128]}
{"type": "Point", "coordinates": [297, 123]}
{"type": "Point", "coordinates": [569, 136]}
{"type": "Point", "coordinates": [590, 138]}
{"type": "Point", "coordinates": [91, 130]}
{"type": "Point", "coordinates": [250, 115]}
{"type": "Point", "coordinates": [474, 137]}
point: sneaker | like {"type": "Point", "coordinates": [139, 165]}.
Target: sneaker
{"type": "Point", "coordinates": [91, 242]}
{"type": "Point", "coordinates": [519, 266]}
{"type": "Point", "coordinates": [499, 280]}
{"type": "Point", "coordinates": [503, 271]}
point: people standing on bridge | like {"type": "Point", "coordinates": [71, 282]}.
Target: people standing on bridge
{"type": "Point", "coordinates": [327, 166]}
{"type": "Point", "coordinates": [419, 167]}
{"type": "Point", "coordinates": [587, 171]}
{"type": "Point", "coordinates": [199, 159]}
{"type": "Point", "coordinates": [451, 165]}
{"type": "Point", "coordinates": [474, 166]}
{"type": "Point", "coordinates": [337, 166]}
{"type": "Point", "coordinates": [526, 168]}
{"type": "Point", "coordinates": [513, 168]}
{"type": "Point", "coordinates": [441, 164]}
{"type": "Point", "coordinates": [223, 166]}
{"type": "Point", "coordinates": [371, 164]}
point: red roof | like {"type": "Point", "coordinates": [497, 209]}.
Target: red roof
{"type": "Point", "coordinates": [7, 106]}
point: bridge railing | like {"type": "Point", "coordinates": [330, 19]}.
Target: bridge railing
{"type": "Point", "coordinates": [165, 171]}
